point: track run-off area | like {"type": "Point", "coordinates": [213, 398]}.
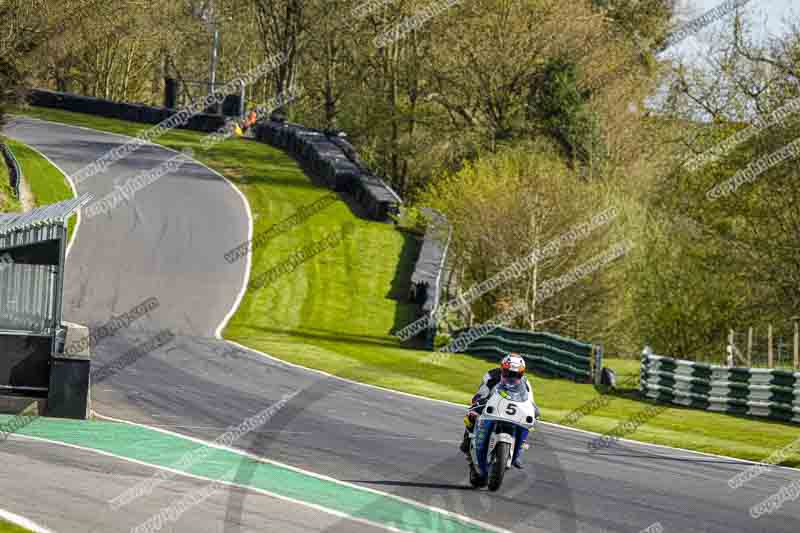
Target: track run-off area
{"type": "Point", "coordinates": [331, 455]}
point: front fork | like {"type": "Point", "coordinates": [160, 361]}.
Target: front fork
{"type": "Point", "coordinates": [481, 436]}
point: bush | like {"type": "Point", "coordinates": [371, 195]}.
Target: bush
{"type": "Point", "coordinates": [441, 340]}
{"type": "Point", "coordinates": [411, 219]}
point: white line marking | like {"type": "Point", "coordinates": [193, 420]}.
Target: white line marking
{"type": "Point", "coordinates": [248, 210]}
{"type": "Point", "coordinates": [23, 522]}
{"type": "Point", "coordinates": [218, 335]}
{"type": "Point", "coordinates": [321, 477]}
{"type": "Point", "coordinates": [248, 266]}
{"type": "Point", "coordinates": [407, 394]}
{"type": "Point", "coordinates": [203, 478]}
{"type": "Point", "coordinates": [339, 514]}
{"type": "Point", "coordinates": [74, 194]}
{"type": "Point", "coordinates": [464, 407]}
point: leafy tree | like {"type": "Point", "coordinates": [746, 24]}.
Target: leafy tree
{"type": "Point", "coordinates": [563, 110]}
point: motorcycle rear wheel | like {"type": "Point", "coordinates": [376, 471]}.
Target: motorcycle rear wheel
{"type": "Point", "coordinates": [497, 469]}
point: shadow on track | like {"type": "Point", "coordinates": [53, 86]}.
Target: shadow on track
{"type": "Point", "coordinates": [516, 506]}
{"type": "Point", "coordinates": [410, 484]}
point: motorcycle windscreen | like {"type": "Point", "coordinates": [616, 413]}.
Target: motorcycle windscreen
{"type": "Point", "coordinates": [514, 393]}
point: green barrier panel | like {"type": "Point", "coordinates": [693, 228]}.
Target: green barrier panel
{"type": "Point", "coordinates": [773, 394]}
{"type": "Point", "coordinates": [784, 378]}
{"type": "Point", "coordinates": [544, 352]}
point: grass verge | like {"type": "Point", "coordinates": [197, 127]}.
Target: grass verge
{"type": "Point", "coordinates": [8, 527]}
{"type": "Point", "coordinates": [8, 202]}
{"type": "Point", "coordinates": [47, 183]}
{"type": "Point", "coordinates": [334, 313]}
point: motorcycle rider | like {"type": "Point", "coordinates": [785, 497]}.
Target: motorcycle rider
{"type": "Point", "coordinates": [511, 372]}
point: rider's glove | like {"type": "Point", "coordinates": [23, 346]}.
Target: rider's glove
{"type": "Point", "coordinates": [479, 403]}
{"type": "Point", "coordinates": [469, 420]}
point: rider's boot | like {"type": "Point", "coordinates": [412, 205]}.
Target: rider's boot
{"type": "Point", "coordinates": [517, 462]}
{"type": "Point", "coordinates": [521, 446]}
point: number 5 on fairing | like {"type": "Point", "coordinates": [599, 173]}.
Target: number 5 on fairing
{"type": "Point", "coordinates": [508, 412]}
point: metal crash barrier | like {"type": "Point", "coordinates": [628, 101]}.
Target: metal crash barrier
{"type": "Point", "coordinates": [33, 368]}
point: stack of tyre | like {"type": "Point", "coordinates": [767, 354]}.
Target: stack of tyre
{"type": "Point", "coordinates": [333, 161]}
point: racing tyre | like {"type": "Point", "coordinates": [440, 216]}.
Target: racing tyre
{"type": "Point", "coordinates": [476, 480]}
{"type": "Point", "coordinates": [497, 469]}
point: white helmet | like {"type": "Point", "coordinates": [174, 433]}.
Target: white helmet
{"type": "Point", "coordinates": [512, 368]}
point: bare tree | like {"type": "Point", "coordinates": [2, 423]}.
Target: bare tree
{"type": "Point", "coordinates": [282, 27]}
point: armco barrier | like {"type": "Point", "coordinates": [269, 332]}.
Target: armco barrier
{"type": "Point", "coordinates": [544, 352]}
{"type": "Point", "coordinates": [760, 392]}
{"type": "Point", "coordinates": [333, 161]}
{"type": "Point", "coordinates": [426, 280]}
{"type": "Point", "coordinates": [14, 170]}
{"type": "Point", "coordinates": [120, 110]}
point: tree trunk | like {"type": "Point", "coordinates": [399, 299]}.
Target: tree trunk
{"type": "Point", "coordinates": [534, 277]}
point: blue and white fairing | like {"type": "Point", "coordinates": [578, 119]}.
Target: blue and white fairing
{"type": "Point", "coordinates": [507, 416]}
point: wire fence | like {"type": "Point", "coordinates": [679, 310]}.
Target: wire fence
{"type": "Point", "coordinates": [765, 347]}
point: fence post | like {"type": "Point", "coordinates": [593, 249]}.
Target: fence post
{"type": "Point", "coordinates": [242, 95]}
{"type": "Point", "coordinates": [597, 362]}
{"type": "Point", "coordinates": [170, 93]}
{"type": "Point", "coordinates": [770, 354]}
{"type": "Point", "coordinates": [730, 356]}
{"type": "Point", "coordinates": [796, 345]}
{"type": "Point", "coordinates": [750, 347]}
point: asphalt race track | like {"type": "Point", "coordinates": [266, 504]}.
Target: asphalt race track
{"type": "Point", "coordinates": [168, 243]}
{"type": "Point", "coordinates": [76, 486]}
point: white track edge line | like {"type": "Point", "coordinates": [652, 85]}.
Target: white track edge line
{"type": "Point", "coordinates": [71, 184]}
{"type": "Point", "coordinates": [248, 210]}
{"type": "Point", "coordinates": [249, 259]}
{"type": "Point", "coordinates": [218, 335]}
{"type": "Point", "coordinates": [265, 492]}
{"type": "Point", "coordinates": [23, 522]}
{"type": "Point", "coordinates": [322, 477]}
{"type": "Point", "coordinates": [552, 424]}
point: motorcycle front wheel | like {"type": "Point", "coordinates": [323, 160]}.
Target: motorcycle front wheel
{"type": "Point", "coordinates": [497, 470]}
{"type": "Point", "coordinates": [475, 479]}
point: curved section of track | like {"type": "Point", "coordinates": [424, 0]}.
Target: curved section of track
{"type": "Point", "coordinates": [168, 243]}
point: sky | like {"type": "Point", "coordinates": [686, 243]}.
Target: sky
{"type": "Point", "coordinates": [767, 18]}
{"type": "Point", "coordinates": [766, 15]}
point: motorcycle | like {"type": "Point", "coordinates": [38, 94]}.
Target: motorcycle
{"type": "Point", "coordinates": [493, 441]}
